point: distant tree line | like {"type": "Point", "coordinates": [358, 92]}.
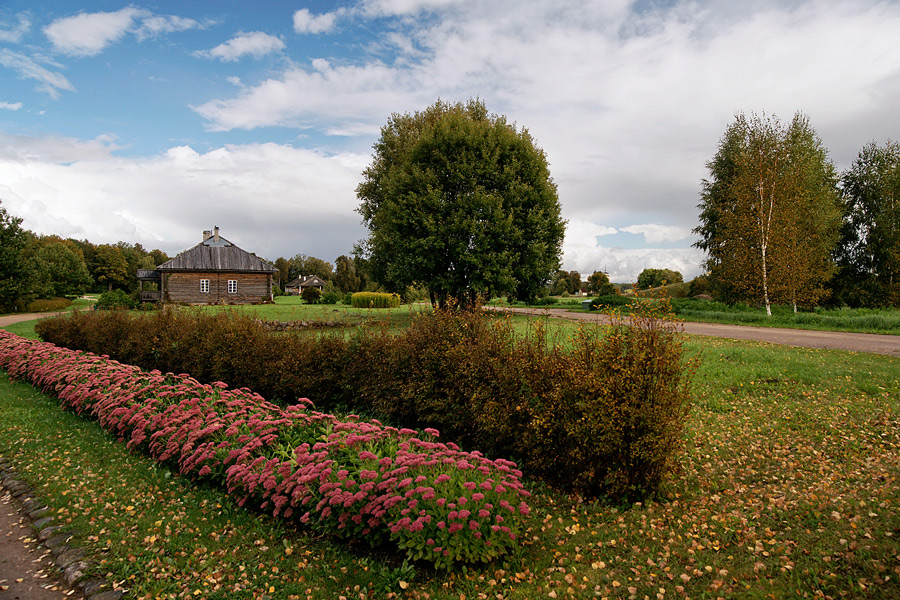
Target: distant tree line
{"type": "Point", "coordinates": [36, 267]}
{"type": "Point", "coordinates": [779, 225]}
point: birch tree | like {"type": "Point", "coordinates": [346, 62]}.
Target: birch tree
{"type": "Point", "coordinates": [769, 213]}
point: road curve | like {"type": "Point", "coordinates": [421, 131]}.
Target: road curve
{"type": "Point", "coordinates": [833, 340]}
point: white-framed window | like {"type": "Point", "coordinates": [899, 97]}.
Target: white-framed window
{"type": "Point", "coordinates": [232, 286]}
{"type": "Point", "coordinates": [204, 286]}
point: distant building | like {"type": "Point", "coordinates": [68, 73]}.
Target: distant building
{"type": "Point", "coordinates": [215, 271]}
{"type": "Point", "coordinates": [297, 285]}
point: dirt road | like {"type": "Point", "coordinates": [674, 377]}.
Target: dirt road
{"type": "Point", "coordinates": [834, 340]}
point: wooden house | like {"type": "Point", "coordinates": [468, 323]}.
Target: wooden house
{"type": "Point", "coordinates": [296, 286]}
{"type": "Point", "coordinates": [215, 271]}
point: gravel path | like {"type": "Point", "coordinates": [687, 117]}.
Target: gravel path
{"type": "Point", "coordinates": [26, 567]}
{"type": "Point", "coordinates": [833, 340]}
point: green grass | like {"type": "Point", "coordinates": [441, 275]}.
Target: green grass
{"type": "Point", "coordinates": [789, 487]}
{"type": "Point", "coordinates": [292, 308]}
{"type": "Point", "coordinates": [859, 320]}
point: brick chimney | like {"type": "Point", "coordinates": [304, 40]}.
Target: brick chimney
{"type": "Point", "coordinates": [206, 234]}
{"type": "Point", "coordinates": [216, 234]}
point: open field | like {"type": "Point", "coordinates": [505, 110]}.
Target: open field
{"type": "Point", "coordinates": [790, 486]}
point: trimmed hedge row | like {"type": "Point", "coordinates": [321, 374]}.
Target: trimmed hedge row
{"type": "Point", "coordinates": [356, 480]}
{"type": "Point", "coordinates": [374, 300]}
{"type": "Point", "coordinates": [603, 416]}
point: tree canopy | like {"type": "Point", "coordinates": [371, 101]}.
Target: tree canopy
{"type": "Point", "coordinates": [15, 271]}
{"type": "Point", "coordinates": [462, 202]}
{"type": "Point", "coordinates": [769, 213]}
{"type": "Point", "coordinates": [652, 278]}
{"type": "Point", "coordinates": [598, 283]}
{"type": "Point", "coordinates": [868, 255]}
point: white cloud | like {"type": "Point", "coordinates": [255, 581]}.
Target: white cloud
{"type": "Point", "coordinates": [655, 234]}
{"type": "Point", "coordinates": [10, 105]}
{"type": "Point", "coordinates": [335, 97]}
{"type": "Point", "coordinates": [23, 148]}
{"type": "Point", "coordinates": [85, 192]}
{"type": "Point", "coordinates": [155, 25]}
{"type": "Point", "coordinates": [14, 35]}
{"type": "Point", "coordinates": [628, 104]}
{"type": "Point", "coordinates": [49, 82]}
{"type": "Point", "coordinates": [306, 22]}
{"type": "Point", "coordinates": [254, 43]}
{"type": "Point", "coordinates": [87, 34]}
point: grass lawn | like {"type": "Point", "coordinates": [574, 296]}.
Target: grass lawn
{"type": "Point", "coordinates": [859, 320]}
{"type": "Point", "coordinates": [789, 487]}
{"type": "Point", "coordinates": [292, 308]}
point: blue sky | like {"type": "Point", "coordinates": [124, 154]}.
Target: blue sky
{"type": "Point", "coordinates": [151, 122]}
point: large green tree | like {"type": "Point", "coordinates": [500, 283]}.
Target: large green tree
{"type": "Point", "coordinates": [868, 255]}
{"type": "Point", "coordinates": [59, 268]}
{"type": "Point", "coordinates": [769, 213]}
{"type": "Point", "coordinates": [598, 283]}
{"type": "Point", "coordinates": [462, 202]}
{"type": "Point", "coordinates": [15, 271]}
{"type": "Point", "coordinates": [652, 278]}
{"type": "Point", "coordinates": [345, 277]}
{"type": "Point", "coordinates": [111, 267]}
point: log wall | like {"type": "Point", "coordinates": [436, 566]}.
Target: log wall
{"type": "Point", "coordinates": [252, 288]}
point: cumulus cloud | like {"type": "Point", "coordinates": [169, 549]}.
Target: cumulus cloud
{"type": "Point", "coordinates": [254, 43]}
{"type": "Point", "coordinates": [309, 205]}
{"type": "Point", "coordinates": [306, 22]}
{"type": "Point", "coordinates": [48, 81]}
{"type": "Point", "coordinates": [627, 103]}
{"type": "Point", "coordinates": [584, 252]}
{"type": "Point", "coordinates": [655, 234]}
{"type": "Point", "coordinates": [14, 34]}
{"type": "Point", "coordinates": [88, 34]}
{"type": "Point", "coordinates": [10, 105]}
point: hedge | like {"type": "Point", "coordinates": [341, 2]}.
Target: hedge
{"type": "Point", "coordinates": [356, 480]}
{"type": "Point", "coordinates": [602, 416]}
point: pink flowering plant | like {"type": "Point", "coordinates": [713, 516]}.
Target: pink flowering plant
{"type": "Point", "coordinates": [357, 480]}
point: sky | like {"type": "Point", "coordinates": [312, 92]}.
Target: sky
{"type": "Point", "coordinates": [151, 122]}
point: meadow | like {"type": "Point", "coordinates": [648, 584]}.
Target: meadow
{"type": "Point", "coordinates": [789, 487]}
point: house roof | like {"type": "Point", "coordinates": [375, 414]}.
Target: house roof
{"type": "Point", "coordinates": [217, 255]}
{"type": "Point", "coordinates": [305, 282]}
{"type": "Point", "coordinates": [312, 281]}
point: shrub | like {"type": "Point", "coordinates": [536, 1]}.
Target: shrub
{"type": "Point", "coordinates": [374, 300]}
{"type": "Point", "coordinates": [347, 299]}
{"type": "Point", "coordinates": [547, 301]}
{"type": "Point", "coordinates": [609, 301]}
{"type": "Point", "coordinates": [330, 298]}
{"type": "Point", "coordinates": [352, 479]}
{"type": "Point", "coordinates": [115, 300]}
{"type": "Point", "coordinates": [48, 305]}
{"type": "Point", "coordinates": [603, 418]}
{"type": "Point", "coordinates": [311, 295]}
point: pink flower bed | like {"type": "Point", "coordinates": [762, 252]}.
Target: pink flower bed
{"type": "Point", "coordinates": [356, 480]}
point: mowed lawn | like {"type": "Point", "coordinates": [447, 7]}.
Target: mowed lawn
{"type": "Point", "coordinates": [789, 487]}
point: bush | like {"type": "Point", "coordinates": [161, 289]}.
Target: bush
{"type": "Point", "coordinates": [48, 305]}
{"type": "Point", "coordinates": [604, 418]}
{"type": "Point", "coordinates": [330, 298]}
{"type": "Point", "coordinates": [115, 300]}
{"type": "Point", "coordinates": [347, 299]}
{"type": "Point", "coordinates": [546, 301]}
{"type": "Point", "coordinates": [610, 301]}
{"type": "Point", "coordinates": [311, 295]}
{"type": "Point", "coordinates": [374, 300]}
